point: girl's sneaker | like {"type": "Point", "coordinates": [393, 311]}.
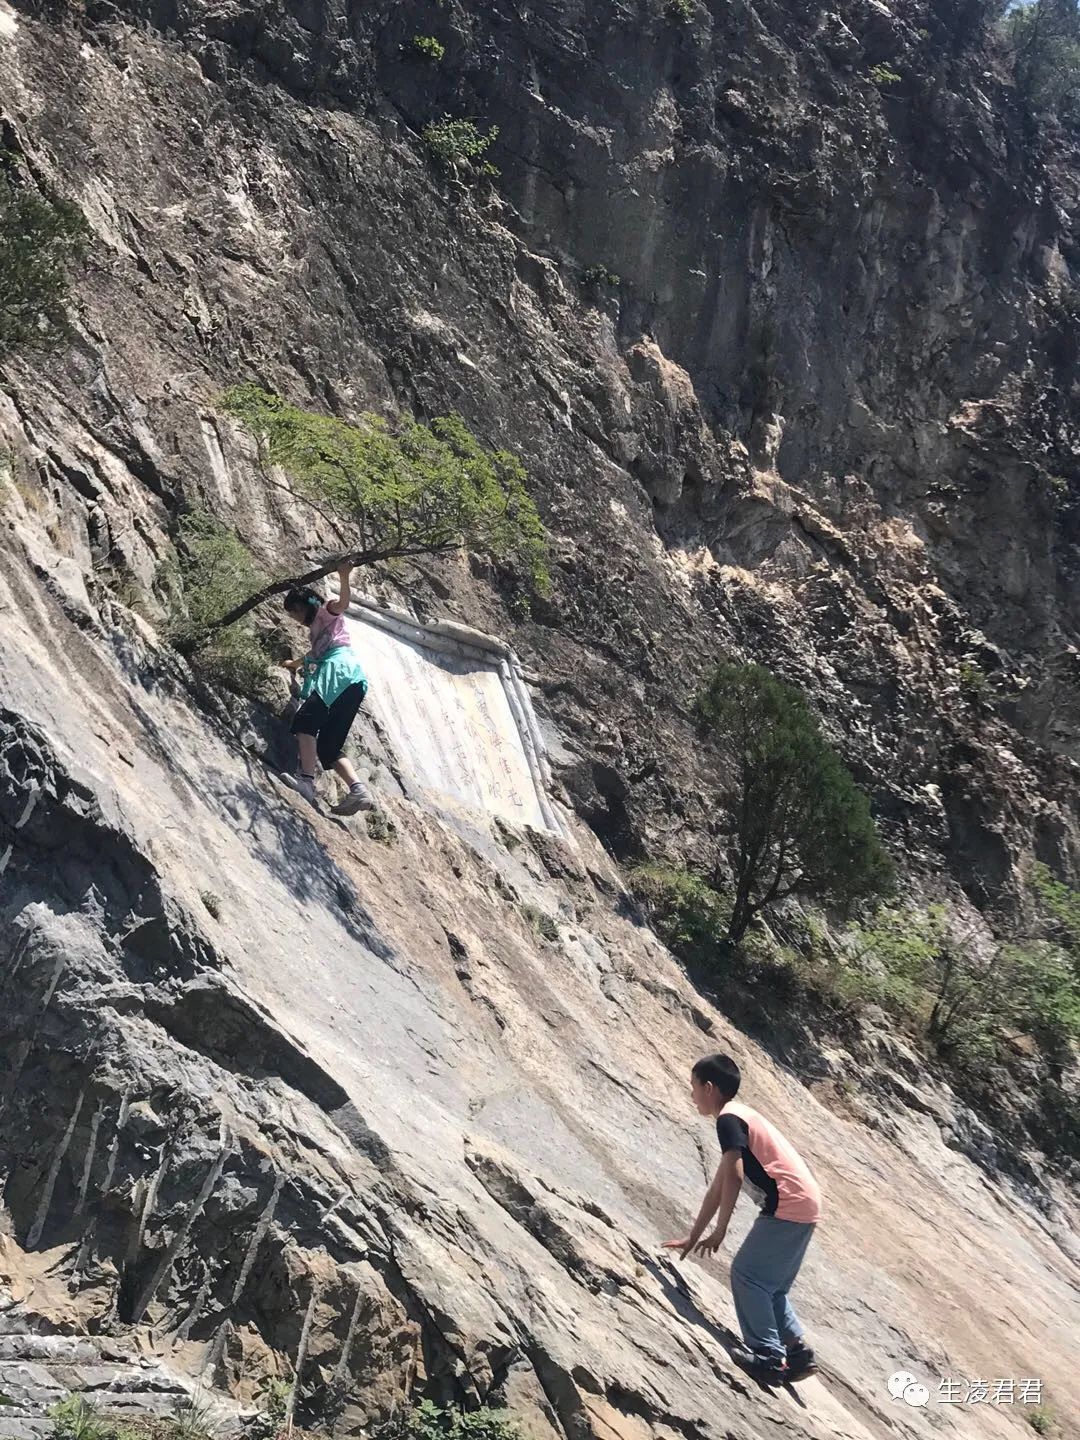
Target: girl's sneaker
{"type": "Point", "coordinates": [358, 798]}
{"type": "Point", "coordinates": [303, 785]}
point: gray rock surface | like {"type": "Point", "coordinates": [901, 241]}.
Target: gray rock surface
{"type": "Point", "coordinates": [313, 1134]}
{"type": "Point", "coordinates": [38, 1371]}
{"type": "Point", "coordinates": [822, 420]}
{"type": "Point", "coordinates": [363, 1125]}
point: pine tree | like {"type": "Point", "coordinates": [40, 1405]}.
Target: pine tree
{"type": "Point", "coordinates": [803, 827]}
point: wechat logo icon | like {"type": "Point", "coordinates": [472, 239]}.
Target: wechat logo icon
{"type": "Point", "coordinates": [905, 1386]}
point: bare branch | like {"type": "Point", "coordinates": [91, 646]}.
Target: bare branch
{"type": "Point", "coordinates": [307, 500]}
{"type": "Point", "coordinates": [355, 558]}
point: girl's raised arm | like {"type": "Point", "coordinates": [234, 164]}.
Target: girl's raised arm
{"type": "Point", "coordinates": [341, 604]}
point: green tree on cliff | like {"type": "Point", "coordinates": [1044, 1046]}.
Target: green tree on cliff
{"type": "Point", "coordinates": [1043, 37]}
{"type": "Point", "coordinates": [803, 827]}
{"type": "Point", "coordinates": [40, 240]}
{"type": "Point", "coordinates": [388, 492]}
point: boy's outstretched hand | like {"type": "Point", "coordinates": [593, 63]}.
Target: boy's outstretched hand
{"type": "Point", "coordinates": [708, 1246]}
{"type": "Point", "coordinates": [712, 1243]}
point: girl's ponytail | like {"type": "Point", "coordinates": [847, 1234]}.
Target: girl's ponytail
{"type": "Point", "coordinates": [306, 600]}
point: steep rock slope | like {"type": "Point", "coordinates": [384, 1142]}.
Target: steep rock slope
{"type": "Point", "coordinates": [355, 1119]}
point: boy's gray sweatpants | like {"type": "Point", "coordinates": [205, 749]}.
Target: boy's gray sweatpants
{"type": "Point", "coordinates": [762, 1273]}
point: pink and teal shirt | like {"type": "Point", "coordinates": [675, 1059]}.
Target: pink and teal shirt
{"type": "Point", "coordinates": [330, 666]}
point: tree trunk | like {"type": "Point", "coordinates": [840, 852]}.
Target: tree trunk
{"type": "Point", "coordinates": [742, 911]}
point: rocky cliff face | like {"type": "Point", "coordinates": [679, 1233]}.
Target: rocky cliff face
{"type": "Point", "coordinates": [362, 1122]}
{"type": "Point", "coordinates": [824, 418]}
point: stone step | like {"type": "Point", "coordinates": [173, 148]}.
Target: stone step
{"type": "Point", "coordinates": [117, 1377]}
{"type": "Point", "coordinates": [34, 1399]}
{"type": "Point", "coordinates": [64, 1349]}
{"type": "Point", "coordinates": [21, 1373]}
{"type": "Point", "coordinates": [18, 1427]}
{"type": "Point", "coordinates": [133, 1402]}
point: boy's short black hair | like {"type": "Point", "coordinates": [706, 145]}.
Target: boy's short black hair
{"type": "Point", "coordinates": [305, 600]}
{"type": "Point", "coordinates": [721, 1071]}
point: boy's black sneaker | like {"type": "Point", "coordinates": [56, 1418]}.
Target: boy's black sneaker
{"type": "Point", "coordinates": [800, 1362]}
{"type": "Point", "coordinates": [761, 1367]}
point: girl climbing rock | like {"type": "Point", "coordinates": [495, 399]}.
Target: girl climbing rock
{"type": "Point", "coordinates": [332, 689]}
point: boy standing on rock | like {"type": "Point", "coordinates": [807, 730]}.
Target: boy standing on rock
{"type": "Point", "coordinates": [763, 1271]}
